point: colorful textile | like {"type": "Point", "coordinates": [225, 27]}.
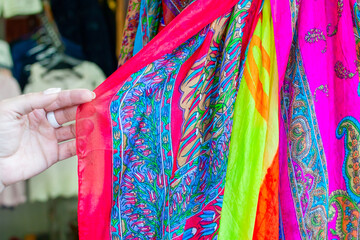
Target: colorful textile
{"type": "Point", "coordinates": [130, 28]}
{"type": "Point", "coordinates": [144, 20]}
{"type": "Point", "coordinates": [148, 24]}
{"type": "Point", "coordinates": [172, 8]}
{"type": "Point", "coordinates": [162, 186]}
{"type": "Point", "coordinates": [254, 138]}
{"type": "Point", "coordinates": [320, 125]}
{"type": "Point", "coordinates": [188, 208]}
{"type": "Point", "coordinates": [175, 146]}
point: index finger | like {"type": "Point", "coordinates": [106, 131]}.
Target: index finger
{"type": "Point", "coordinates": [70, 98]}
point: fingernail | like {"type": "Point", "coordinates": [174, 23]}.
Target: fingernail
{"type": "Point", "coordinates": [93, 95]}
{"type": "Point", "coordinates": [52, 90]}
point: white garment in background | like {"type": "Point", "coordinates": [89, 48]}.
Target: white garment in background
{"type": "Point", "coordinates": [5, 55]}
{"type": "Point", "coordinates": [60, 180]}
{"type": "Point", "coordinates": [11, 8]}
{"type": "Point", "coordinates": [86, 75]}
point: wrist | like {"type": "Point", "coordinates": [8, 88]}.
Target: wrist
{"type": "Point", "coordinates": [2, 186]}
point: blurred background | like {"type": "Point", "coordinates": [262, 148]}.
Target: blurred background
{"type": "Point", "coordinates": [45, 44]}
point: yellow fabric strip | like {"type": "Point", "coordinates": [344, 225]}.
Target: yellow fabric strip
{"type": "Point", "coordinates": [254, 138]}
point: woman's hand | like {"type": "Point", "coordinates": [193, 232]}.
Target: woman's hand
{"type": "Point", "coordinates": [28, 143]}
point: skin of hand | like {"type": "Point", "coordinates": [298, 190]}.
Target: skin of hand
{"type": "Point", "coordinates": [28, 143]}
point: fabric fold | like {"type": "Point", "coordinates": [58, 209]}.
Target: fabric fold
{"type": "Point", "coordinates": [104, 135]}
{"type": "Point", "coordinates": [250, 199]}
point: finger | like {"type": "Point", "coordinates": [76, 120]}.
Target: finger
{"type": "Point", "coordinates": [67, 149]}
{"type": "Point", "coordinates": [65, 133]}
{"type": "Point", "coordinates": [70, 98]}
{"type": "Point", "coordinates": [65, 115]}
{"type": "Point", "coordinates": [25, 104]}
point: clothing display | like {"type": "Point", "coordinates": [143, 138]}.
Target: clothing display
{"type": "Point", "coordinates": [165, 118]}
{"type": "Point", "coordinates": [6, 61]}
{"type": "Point", "coordinates": [232, 119]}
{"type": "Point", "coordinates": [108, 8]}
{"type": "Point", "coordinates": [58, 181]}
{"type": "Point", "coordinates": [53, 43]}
{"type": "Point", "coordinates": [11, 8]}
{"type": "Point", "coordinates": [61, 179]}
{"type": "Point", "coordinates": [83, 22]}
{"type": "Point", "coordinates": [129, 33]}
{"type": "Point", "coordinates": [25, 53]}
{"type": "Point", "coordinates": [251, 179]}
{"type": "Point", "coordinates": [319, 127]}
{"type": "Point", "coordinates": [237, 120]}
{"type": "Point", "coordinates": [85, 75]}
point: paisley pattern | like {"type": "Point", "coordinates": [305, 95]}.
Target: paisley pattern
{"type": "Point", "coordinates": [349, 128]}
{"type": "Point", "coordinates": [344, 205]}
{"type": "Point", "coordinates": [156, 140]}
{"type": "Point", "coordinates": [331, 29]}
{"type": "Point", "coordinates": [202, 85]}
{"type": "Point", "coordinates": [318, 200]}
{"type": "Point", "coordinates": [356, 18]}
{"type": "Point", "coordinates": [346, 213]}
{"type": "Point", "coordinates": [316, 35]}
{"type": "Point", "coordinates": [306, 160]}
{"type": "Point", "coordinates": [294, 11]}
{"type": "Point", "coordinates": [142, 168]}
{"type": "Point", "coordinates": [342, 72]}
{"type": "Point", "coordinates": [160, 192]}
{"type": "Point", "coordinates": [322, 88]}
{"type": "Point", "coordinates": [356, 23]}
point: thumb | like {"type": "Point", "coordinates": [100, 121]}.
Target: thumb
{"type": "Point", "coordinates": [27, 103]}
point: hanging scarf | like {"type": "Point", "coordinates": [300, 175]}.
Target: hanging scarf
{"type": "Point", "coordinates": [319, 131]}
{"type": "Point", "coordinates": [280, 79]}
{"type": "Point", "coordinates": [153, 146]}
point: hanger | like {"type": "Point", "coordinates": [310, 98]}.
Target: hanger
{"type": "Point", "coordinates": [59, 60]}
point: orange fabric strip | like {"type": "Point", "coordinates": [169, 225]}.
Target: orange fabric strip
{"type": "Point", "coordinates": [267, 215]}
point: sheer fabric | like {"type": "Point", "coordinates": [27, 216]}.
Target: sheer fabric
{"type": "Point", "coordinates": [236, 120]}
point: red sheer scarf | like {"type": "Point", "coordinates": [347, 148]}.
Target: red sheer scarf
{"type": "Point", "coordinates": [94, 139]}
